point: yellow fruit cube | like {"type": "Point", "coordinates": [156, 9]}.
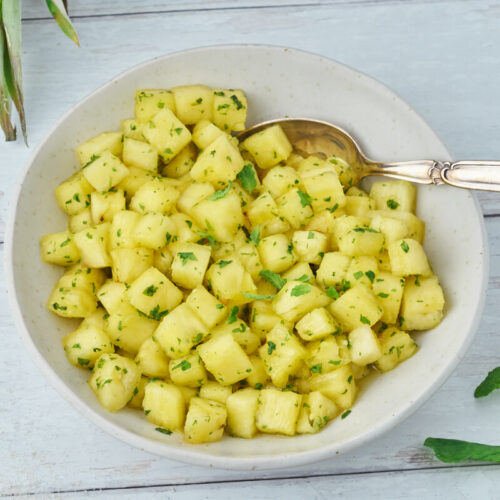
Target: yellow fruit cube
{"type": "Point", "coordinates": [132, 129]}
{"type": "Point", "coordinates": [310, 246]}
{"type": "Point", "coordinates": [111, 141]}
{"type": "Point", "coordinates": [153, 231]}
{"type": "Point", "coordinates": [268, 147]}
{"type": "Point", "coordinates": [408, 258]}
{"type": "Point", "coordinates": [156, 196]}
{"type": "Point", "coordinates": [317, 324]}
{"type": "Point", "coordinates": [164, 405]}
{"type": "Point", "coordinates": [72, 195]}
{"type": "Point", "coordinates": [148, 102]}
{"type": "Point", "coordinates": [188, 371]}
{"type": "Point", "coordinates": [129, 263]}
{"type": "Point", "coordinates": [276, 253]}
{"type": "Point", "coordinates": [59, 248]}
{"type": "Point", "coordinates": [397, 346]}
{"type": "Point", "coordinates": [316, 411]}
{"type": "Point", "coordinates": [278, 411]}
{"type": "Point", "coordinates": [140, 154]}
{"type": "Point", "coordinates": [295, 207]}
{"type": "Point", "coordinates": [338, 385]}
{"type": "Point", "coordinates": [104, 171]}
{"type": "Point", "coordinates": [121, 233]}
{"type": "Point", "coordinates": [333, 269]}
{"type": "Point", "coordinates": [241, 413]}
{"type": "Point", "coordinates": [365, 347]}
{"type": "Point", "coordinates": [206, 306]}
{"type": "Point", "coordinates": [229, 109]}
{"type": "Point", "coordinates": [104, 206]}
{"type": "Point", "coordinates": [182, 163]}
{"type": "Point", "coordinates": [205, 421]}
{"type": "Point", "coordinates": [394, 195]}
{"type": "Point", "coordinates": [193, 103]}
{"type": "Point", "coordinates": [389, 292]}
{"type": "Point", "coordinates": [93, 245]}
{"type": "Point", "coordinates": [189, 264]}
{"type": "Point", "coordinates": [215, 392]}
{"type": "Point", "coordinates": [278, 180]}
{"type": "Point", "coordinates": [151, 360]}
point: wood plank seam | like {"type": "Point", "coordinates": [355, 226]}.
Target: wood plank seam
{"type": "Point", "coordinates": [332, 3]}
{"type": "Point", "coordinates": [260, 479]}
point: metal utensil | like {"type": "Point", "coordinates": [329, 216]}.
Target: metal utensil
{"type": "Point", "coordinates": [309, 136]}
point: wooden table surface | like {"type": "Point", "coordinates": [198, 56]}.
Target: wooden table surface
{"type": "Point", "coordinates": [443, 57]}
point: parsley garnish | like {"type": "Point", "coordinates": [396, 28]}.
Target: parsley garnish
{"type": "Point", "coordinates": [221, 193]}
{"type": "Point", "coordinates": [255, 296]}
{"type": "Point", "coordinates": [237, 102]}
{"type": "Point", "coordinates": [405, 246]}
{"type": "Point", "coordinates": [345, 414]}
{"type": "Point", "coordinates": [299, 290]}
{"type": "Point", "coordinates": [150, 290]}
{"type": "Point", "coordinates": [224, 263]}
{"type": "Point", "coordinates": [364, 319]}
{"type": "Point", "coordinates": [454, 450]}
{"type": "Point", "coordinates": [156, 314]}
{"type": "Point", "coordinates": [255, 236]}
{"type": "Point", "coordinates": [370, 275]}
{"type": "Point", "coordinates": [332, 292]}
{"type": "Point", "coordinates": [183, 365]}
{"type": "Point", "coordinates": [185, 256]}
{"type": "Point", "coordinates": [392, 204]}
{"type": "Point", "coordinates": [305, 199]}
{"type": "Point", "coordinates": [163, 431]}
{"type": "Point", "coordinates": [489, 384]}
{"type": "Point", "coordinates": [271, 346]}
{"type": "Point", "coordinates": [232, 315]}
{"type": "Point", "coordinates": [317, 368]}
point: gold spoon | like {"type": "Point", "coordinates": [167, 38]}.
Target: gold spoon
{"type": "Point", "coordinates": [315, 137]}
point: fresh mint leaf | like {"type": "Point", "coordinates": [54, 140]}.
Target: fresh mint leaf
{"type": "Point", "coordinates": [247, 177]}
{"type": "Point", "coordinates": [185, 256]}
{"type": "Point", "coordinates": [305, 199]}
{"type": "Point", "coordinates": [275, 279]}
{"type": "Point", "coordinates": [255, 236]}
{"type": "Point", "coordinates": [255, 296]}
{"type": "Point", "coordinates": [221, 193]}
{"type": "Point", "coordinates": [489, 384]}
{"type": "Point", "coordinates": [299, 290]}
{"type": "Point", "coordinates": [454, 450]}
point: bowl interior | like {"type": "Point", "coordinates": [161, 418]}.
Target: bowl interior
{"type": "Point", "coordinates": [387, 128]}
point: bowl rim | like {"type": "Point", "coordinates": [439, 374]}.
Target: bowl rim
{"type": "Point", "coordinates": [191, 455]}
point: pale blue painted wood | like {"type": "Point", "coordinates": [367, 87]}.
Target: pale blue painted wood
{"type": "Point", "coordinates": [440, 56]}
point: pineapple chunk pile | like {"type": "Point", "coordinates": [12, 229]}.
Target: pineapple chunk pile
{"type": "Point", "coordinates": [227, 285]}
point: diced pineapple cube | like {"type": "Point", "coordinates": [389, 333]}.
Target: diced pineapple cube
{"type": "Point", "coordinates": [72, 195]}
{"type": "Point", "coordinates": [278, 411]}
{"type": "Point", "coordinates": [113, 296]}
{"type": "Point", "coordinates": [392, 229]}
{"type": "Point", "coordinates": [322, 184]}
{"type": "Point", "coordinates": [128, 330]}
{"type": "Point", "coordinates": [188, 371]}
{"type": "Point", "coordinates": [153, 231]}
{"type": "Point", "coordinates": [104, 206]}
{"type": "Point", "coordinates": [274, 226]}
{"type": "Point", "coordinates": [189, 264]}
{"type": "Point", "coordinates": [358, 205]}
{"type": "Point", "coordinates": [83, 277]}
{"type": "Point", "coordinates": [360, 241]}
{"type": "Point", "coordinates": [408, 258]}
{"type": "Point", "coordinates": [262, 317]}
{"type": "Point", "coordinates": [268, 147]}
{"type": "Point", "coordinates": [220, 216]}
{"type": "Point", "coordinates": [151, 360]}
{"type": "Point", "coordinates": [338, 385]}
{"type": "Point", "coordinates": [138, 394]}
{"type": "Point", "coordinates": [230, 281]}
{"type": "Point", "coordinates": [154, 294]}
{"type": "Point", "coordinates": [164, 405]}
{"type": "Point", "coordinates": [317, 324]}
{"type": "Point", "coordinates": [93, 245]}
{"type": "Point", "coordinates": [389, 291]}
{"type": "Point", "coordinates": [205, 132]}
{"type": "Point", "coordinates": [215, 392]}
{"type": "Point", "coordinates": [258, 377]}
{"type": "Point", "coordinates": [262, 209]}
{"type": "Point", "coordinates": [295, 207]}
{"type": "Point", "coordinates": [155, 196]}
{"type": "Point", "coordinates": [83, 346]}
{"type": "Point", "coordinates": [167, 134]}
{"type": "Point", "coordinates": [241, 332]}
{"type": "Point", "coordinates": [356, 307]}
{"type": "Point", "coordinates": [149, 101]}
{"type": "Point", "coordinates": [346, 173]}
{"type": "Point", "coordinates": [422, 305]}
{"type": "Point", "coordinates": [229, 109]}
{"type": "Point", "coordinates": [278, 180]}
{"type": "Point", "coordinates": [362, 270]}
{"type": "Point", "coordinates": [80, 221]}
{"type": "Point", "coordinates": [97, 318]}
{"type": "Point", "coordinates": [71, 302]}
{"type": "Point", "coordinates": [415, 226]}
{"type": "Point", "coordinates": [333, 269]}
{"type": "Point", "coordinates": [276, 253]}
{"type": "Point", "coordinates": [193, 195]}
{"type": "Point", "coordinates": [179, 331]}
{"type": "Point", "coordinates": [316, 411]}
{"type": "Point", "coordinates": [310, 246]}
{"type": "Point", "coordinates": [394, 195]}
{"type": "Point", "coordinates": [182, 163]}
{"type": "Point", "coordinates": [113, 381]}
{"type": "Point", "coordinates": [140, 154]}
{"type": "Point", "coordinates": [129, 263]}
{"type": "Point", "coordinates": [249, 257]}
{"type": "Point", "coordinates": [324, 355]}
{"type": "Point", "coordinates": [218, 163]}
{"type": "Point", "coordinates": [105, 171]}
{"type": "Point", "coordinates": [397, 346]}
{"type": "Point", "coordinates": [121, 233]}
{"type": "Point", "coordinates": [297, 298]}
{"type": "Point", "coordinates": [134, 180]}
{"type": "Point", "coordinates": [205, 421]}
{"type": "Point", "coordinates": [132, 129]}
{"type": "Point", "coordinates": [300, 272]}
{"type": "Point", "coordinates": [206, 306]}
{"type": "Point", "coordinates": [365, 346]}
{"type": "Point", "coordinates": [186, 230]}
{"type": "Point", "coordinates": [59, 248]}
{"type": "Point", "coordinates": [225, 359]}
{"type": "Point", "coordinates": [241, 412]}
{"type": "Point", "coordinates": [193, 103]}
{"type": "Point", "coordinates": [282, 354]}
{"type": "Point", "coordinates": [111, 141]}
{"type": "Point", "coordinates": [163, 260]}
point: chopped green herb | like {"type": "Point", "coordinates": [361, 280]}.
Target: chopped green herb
{"type": "Point", "coordinates": [255, 236]}
{"type": "Point", "coordinates": [345, 414]}
{"type": "Point", "coordinates": [405, 246]}
{"type": "Point", "coordinates": [163, 431]}
{"type": "Point", "coordinates": [299, 290]}
{"type": "Point", "coordinates": [332, 292]}
{"type": "Point", "coordinates": [83, 361]}
{"type": "Point", "coordinates": [392, 204]}
{"type": "Point", "coordinates": [247, 177]}
{"type": "Point", "coordinates": [221, 193]}
{"type": "Point", "coordinates": [383, 295]}
{"type": "Point", "coordinates": [370, 275]}
{"type": "Point", "coordinates": [334, 208]}
{"type": "Point", "coordinates": [150, 290]}
{"type": "Point", "coordinates": [237, 102]}
{"type": "Point", "coordinates": [156, 314]}
{"type": "Point", "coordinates": [358, 274]}
{"type": "Point", "coordinates": [232, 315]}
{"type": "Point", "coordinates": [185, 256]}
{"type": "Point", "coordinates": [317, 368]}
{"type": "Point", "coordinates": [224, 263]}
{"type": "Point", "coordinates": [364, 319]}
{"type": "Point", "coordinates": [305, 199]}
{"type": "Point", "coordinates": [275, 279]}
{"type": "Point", "coordinates": [255, 296]}
{"type": "Point", "coordinates": [271, 346]}
{"type": "Point", "coordinates": [183, 365]}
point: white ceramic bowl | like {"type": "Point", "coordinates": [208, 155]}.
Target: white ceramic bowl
{"type": "Point", "coordinates": [278, 82]}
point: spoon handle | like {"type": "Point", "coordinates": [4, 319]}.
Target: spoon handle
{"type": "Point", "coordinates": [469, 174]}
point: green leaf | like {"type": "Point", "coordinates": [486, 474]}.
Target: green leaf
{"type": "Point", "coordinates": [247, 177]}
{"type": "Point", "coordinates": [232, 318]}
{"type": "Point", "coordinates": [183, 365]}
{"type": "Point", "coordinates": [150, 290]}
{"type": "Point", "coordinates": [305, 199]}
{"type": "Point", "coordinates": [221, 193]}
{"type": "Point", "coordinates": [255, 296]}
{"type": "Point", "coordinates": [364, 319]}
{"type": "Point", "coordinates": [163, 431]}
{"type": "Point", "coordinates": [11, 23]}
{"type": "Point", "coordinates": [454, 450]}
{"type": "Point", "coordinates": [206, 236]}
{"type": "Point", "coordinates": [185, 256]}
{"type": "Point", "coordinates": [5, 105]}
{"type": "Point", "coordinates": [224, 263]}
{"type": "Point", "coordinates": [275, 279]}
{"type": "Point", "coordinates": [332, 292]}
{"type": "Point", "coordinates": [299, 290]}
{"type": "Point", "coordinates": [255, 236]}
{"type": "Point", "coordinates": [405, 246]}
{"type": "Point", "coordinates": [392, 204]}
{"type": "Point", "coordinates": [304, 278]}
{"type": "Point", "coordinates": [60, 14]}
{"type": "Point", "coordinates": [489, 384]}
